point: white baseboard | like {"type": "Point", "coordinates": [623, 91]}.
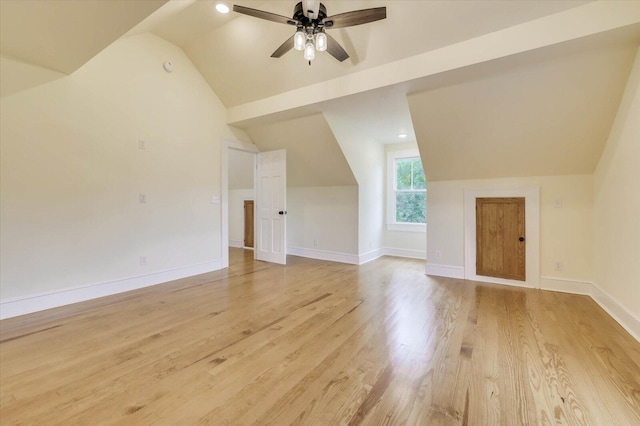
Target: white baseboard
{"type": "Point", "coordinates": [444, 270]}
{"type": "Point", "coordinates": [354, 259]}
{"type": "Point", "coordinates": [370, 255]}
{"type": "Point", "coordinates": [564, 285]}
{"type": "Point", "coordinates": [626, 319]}
{"type": "Point", "coordinates": [412, 254]}
{"type": "Point", "coordinates": [236, 243]}
{"type": "Point", "coordinates": [26, 305]}
{"type": "Point", "coordinates": [323, 255]}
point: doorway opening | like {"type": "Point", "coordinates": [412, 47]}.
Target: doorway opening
{"type": "Point", "coordinates": [238, 165]}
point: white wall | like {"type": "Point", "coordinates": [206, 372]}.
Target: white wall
{"type": "Point", "coordinates": [241, 166]}
{"type": "Point", "coordinates": [616, 255]}
{"type": "Point", "coordinates": [565, 233]}
{"type": "Point", "coordinates": [366, 159]}
{"type": "Point", "coordinates": [403, 241]}
{"type": "Point", "coordinates": [323, 218]}
{"type": "Point", "coordinates": [71, 172]}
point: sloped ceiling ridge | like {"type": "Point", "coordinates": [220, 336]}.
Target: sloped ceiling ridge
{"type": "Point", "coordinates": [547, 118]}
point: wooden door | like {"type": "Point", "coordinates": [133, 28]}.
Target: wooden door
{"type": "Point", "coordinates": [271, 211]}
{"type": "Point", "coordinates": [248, 223]}
{"type": "Point", "coordinates": [500, 238]}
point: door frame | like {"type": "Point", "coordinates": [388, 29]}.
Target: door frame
{"type": "Point", "coordinates": [226, 145]}
{"type": "Point", "coordinates": [532, 232]}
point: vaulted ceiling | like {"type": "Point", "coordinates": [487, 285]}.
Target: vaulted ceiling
{"type": "Point", "coordinates": [63, 35]}
{"type": "Point", "coordinates": [487, 88]}
{"type": "Point", "coordinates": [233, 51]}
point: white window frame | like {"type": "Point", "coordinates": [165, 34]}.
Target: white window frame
{"type": "Point", "coordinates": [392, 225]}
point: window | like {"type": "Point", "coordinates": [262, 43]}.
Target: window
{"type": "Point", "coordinates": [406, 192]}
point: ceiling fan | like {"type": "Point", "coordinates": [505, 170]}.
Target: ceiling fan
{"type": "Point", "coordinates": [311, 20]}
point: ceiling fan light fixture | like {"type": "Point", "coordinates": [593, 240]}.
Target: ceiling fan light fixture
{"type": "Point", "coordinates": [311, 19]}
{"type": "Point", "coordinates": [298, 40]}
{"type": "Point", "coordinates": [321, 42]}
{"type": "Point", "coordinates": [309, 51]}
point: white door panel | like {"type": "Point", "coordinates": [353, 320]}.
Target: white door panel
{"type": "Point", "coordinates": [271, 206]}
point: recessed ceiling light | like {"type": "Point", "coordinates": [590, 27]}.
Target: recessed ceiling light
{"type": "Point", "coordinates": [402, 135]}
{"type": "Point", "coordinates": [222, 8]}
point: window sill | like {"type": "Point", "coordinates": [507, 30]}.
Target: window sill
{"type": "Point", "coordinates": [407, 227]}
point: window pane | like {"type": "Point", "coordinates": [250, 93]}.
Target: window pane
{"type": "Point", "coordinates": [411, 207]}
{"type": "Point", "coordinates": [419, 181]}
{"type": "Point", "coordinates": [403, 173]}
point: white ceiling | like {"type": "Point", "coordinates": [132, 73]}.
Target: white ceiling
{"type": "Point", "coordinates": [233, 51]}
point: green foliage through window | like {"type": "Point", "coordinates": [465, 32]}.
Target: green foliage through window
{"type": "Point", "coordinates": [411, 191]}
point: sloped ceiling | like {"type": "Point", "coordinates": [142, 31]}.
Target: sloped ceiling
{"type": "Point", "coordinates": [546, 118]}
{"type": "Point", "coordinates": [314, 157]}
{"type": "Point", "coordinates": [63, 35]}
{"type": "Point", "coordinates": [234, 55]}
{"type": "Point", "coordinates": [41, 41]}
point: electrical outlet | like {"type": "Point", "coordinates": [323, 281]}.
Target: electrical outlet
{"type": "Point", "coordinates": [142, 144]}
{"type": "Point", "coordinates": [143, 260]}
{"type": "Point", "coordinates": [142, 198]}
{"type": "Point", "coordinates": [315, 243]}
{"type": "Point", "coordinates": [438, 254]}
{"type": "Point", "coordinates": [558, 265]}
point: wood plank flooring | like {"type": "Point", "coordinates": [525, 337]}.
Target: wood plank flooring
{"type": "Point", "coordinates": [321, 343]}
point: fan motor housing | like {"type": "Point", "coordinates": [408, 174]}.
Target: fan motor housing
{"type": "Point", "coordinates": [298, 14]}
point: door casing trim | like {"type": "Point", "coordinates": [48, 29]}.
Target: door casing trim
{"type": "Point", "coordinates": [532, 229]}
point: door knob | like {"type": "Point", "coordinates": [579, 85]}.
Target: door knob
{"type": "Point", "coordinates": [521, 239]}
{"type": "Point", "coordinates": [282, 212]}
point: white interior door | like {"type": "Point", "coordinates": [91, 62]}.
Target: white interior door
{"type": "Point", "coordinates": [271, 191]}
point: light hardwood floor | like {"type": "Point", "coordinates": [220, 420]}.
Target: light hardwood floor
{"type": "Point", "coordinates": [321, 343]}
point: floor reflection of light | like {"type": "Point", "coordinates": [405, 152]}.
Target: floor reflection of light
{"type": "Point", "coordinates": [410, 327]}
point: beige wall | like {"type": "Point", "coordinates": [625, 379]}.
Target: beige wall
{"type": "Point", "coordinates": [565, 233]}
{"type": "Point", "coordinates": [616, 255]}
{"type": "Point", "coordinates": [326, 215]}
{"type": "Point", "coordinates": [71, 171]}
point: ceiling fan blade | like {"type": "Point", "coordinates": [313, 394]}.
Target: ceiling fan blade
{"type": "Point", "coordinates": [357, 17]}
{"type": "Point", "coordinates": [335, 50]}
{"type": "Point", "coordinates": [264, 15]}
{"type": "Point", "coordinates": [284, 48]}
